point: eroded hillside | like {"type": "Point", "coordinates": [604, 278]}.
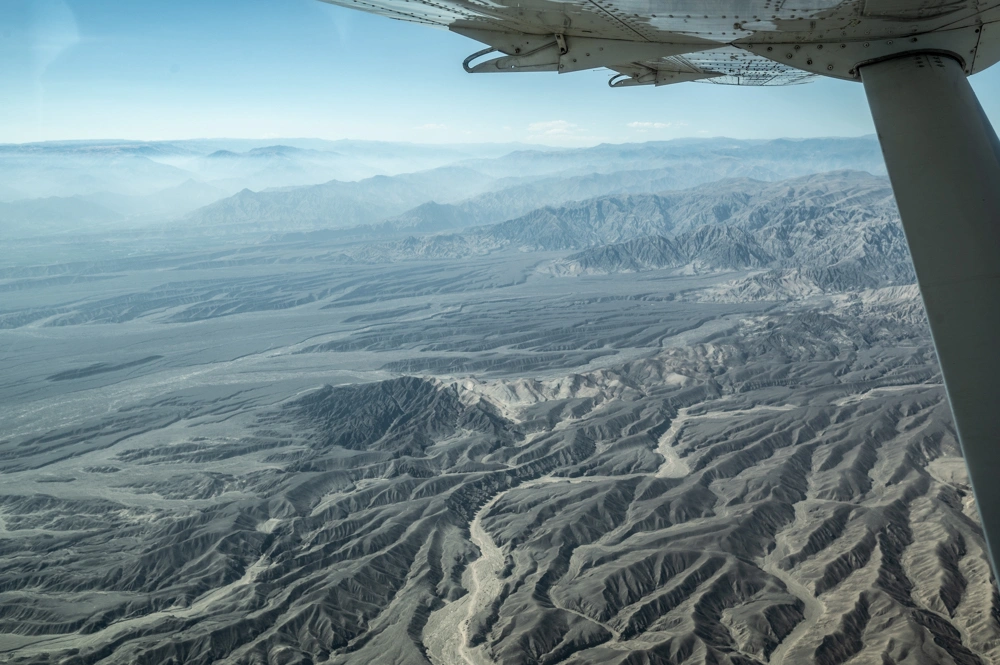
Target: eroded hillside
{"type": "Point", "coordinates": [789, 490]}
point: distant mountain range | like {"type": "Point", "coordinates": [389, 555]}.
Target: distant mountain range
{"type": "Point", "coordinates": [727, 157]}
{"type": "Point", "coordinates": [524, 180]}
{"type": "Point", "coordinates": [341, 203]}
{"type": "Point", "coordinates": [69, 168]}
{"type": "Point", "coordinates": [840, 230]}
{"type": "Point", "coordinates": [379, 190]}
{"type": "Point", "coordinates": [181, 176]}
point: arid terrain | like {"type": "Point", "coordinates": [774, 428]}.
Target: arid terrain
{"type": "Point", "coordinates": [592, 413]}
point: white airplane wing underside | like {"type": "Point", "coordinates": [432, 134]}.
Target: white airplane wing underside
{"type": "Point", "coordinates": [740, 42]}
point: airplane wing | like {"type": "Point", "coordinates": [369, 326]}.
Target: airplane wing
{"type": "Point", "coordinates": [738, 42]}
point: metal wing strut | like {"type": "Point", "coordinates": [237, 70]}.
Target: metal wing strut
{"type": "Point", "coordinates": [943, 158]}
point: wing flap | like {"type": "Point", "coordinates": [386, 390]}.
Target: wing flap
{"type": "Point", "coordinates": [564, 53]}
{"type": "Point", "coordinates": [664, 72]}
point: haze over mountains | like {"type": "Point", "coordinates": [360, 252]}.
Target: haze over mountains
{"type": "Point", "coordinates": [349, 183]}
{"type": "Point", "coordinates": [145, 182]}
{"type": "Point", "coordinates": [653, 403]}
{"type": "Point", "coordinates": [481, 191]}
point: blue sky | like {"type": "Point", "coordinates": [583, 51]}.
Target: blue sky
{"type": "Point", "coordinates": [168, 69]}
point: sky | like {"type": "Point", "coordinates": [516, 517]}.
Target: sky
{"type": "Point", "coordinates": [176, 69]}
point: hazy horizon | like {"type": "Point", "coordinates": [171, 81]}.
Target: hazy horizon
{"type": "Point", "coordinates": [181, 175]}
{"type": "Point", "coordinates": [275, 140]}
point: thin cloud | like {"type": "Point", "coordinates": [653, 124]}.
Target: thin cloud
{"type": "Point", "coordinates": [562, 133]}
{"type": "Point", "coordinates": [553, 128]}
{"type": "Point", "coordinates": [652, 126]}
{"type": "Point", "coordinates": [431, 126]}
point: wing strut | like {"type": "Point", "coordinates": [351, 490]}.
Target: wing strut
{"type": "Point", "coordinates": [943, 159]}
